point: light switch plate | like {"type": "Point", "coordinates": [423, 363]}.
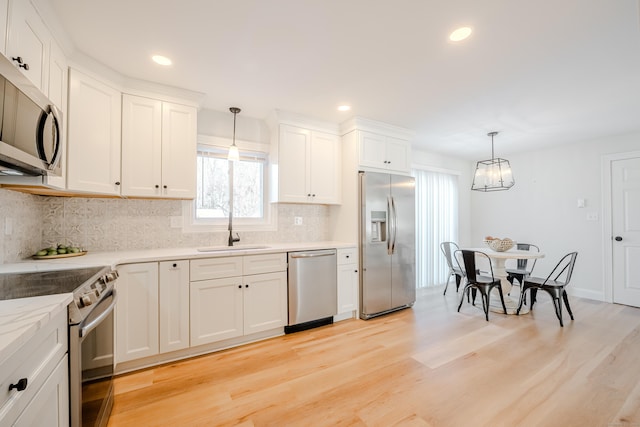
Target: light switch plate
{"type": "Point", "coordinates": [297, 220]}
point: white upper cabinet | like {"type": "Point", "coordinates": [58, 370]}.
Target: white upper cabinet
{"type": "Point", "coordinates": [28, 42]}
{"type": "Point", "coordinates": [158, 148]}
{"type": "Point", "coordinates": [308, 166]}
{"type": "Point", "coordinates": [384, 152]}
{"type": "Point", "coordinates": [58, 77]}
{"type": "Point", "coordinates": [4, 14]}
{"type": "Point", "coordinates": [179, 136]}
{"type": "Point", "coordinates": [93, 146]}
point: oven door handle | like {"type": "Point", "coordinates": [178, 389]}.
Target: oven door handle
{"type": "Point", "coordinates": [85, 329]}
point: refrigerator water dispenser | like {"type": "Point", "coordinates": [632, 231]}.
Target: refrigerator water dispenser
{"type": "Point", "coordinates": [378, 226]}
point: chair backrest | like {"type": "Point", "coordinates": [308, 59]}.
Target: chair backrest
{"type": "Point", "coordinates": [469, 263]}
{"type": "Point", "coordinates": [564, 266]}
{"type": "Point", "coordinates": [448, 248]}
{"type": "Point", "coordinates": [522, 263]}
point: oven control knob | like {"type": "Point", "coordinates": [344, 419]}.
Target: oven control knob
{"type": "Point", "coordinates": [85, 300]}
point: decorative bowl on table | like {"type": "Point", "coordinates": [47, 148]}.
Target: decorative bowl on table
{"type": "Point", "coordinates": [499, 245]}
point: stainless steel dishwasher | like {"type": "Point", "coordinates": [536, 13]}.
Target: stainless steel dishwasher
{"type": "Point", "coordinates": [313, 293]}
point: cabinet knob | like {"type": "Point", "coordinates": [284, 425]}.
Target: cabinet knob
{"type": "Point", "coordinates": [175, 265]}
{"type": "Point", "coordinates": [308, 194]}
{"type": "Point", "coordinates": [239, 286]}
{"type": "Point", "coordinates": [346, 256]}
{"type": "Point", "coordinates": [157, 186]}
{"type": "Point", "coordinates": [355, 271]}
{"type": "Point", "coordinates": [618, 238]}
{"type": "Point", "coordinates": [246, 286]}
{"type": "Point", "coordinates": [117, 182]}
{"type": "Point", "coordinates": [164, 186]}
{"type": "Point", "coordinates": [20, 385]}
{"type": "Point", "coordinates": [21, 63]}
{"type": "Point", "coordinates": [313, 195]}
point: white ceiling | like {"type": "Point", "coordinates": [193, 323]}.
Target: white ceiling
{"type": "Point", "coordinates": [541, 72]}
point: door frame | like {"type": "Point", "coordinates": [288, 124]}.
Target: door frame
{"type": "Point", "coordinates": [607, 221]}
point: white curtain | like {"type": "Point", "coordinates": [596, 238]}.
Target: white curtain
{"type": "Point", "coordinates": [436, 222]}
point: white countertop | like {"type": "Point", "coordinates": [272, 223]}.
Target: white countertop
{"type": "Point", "coordinates": [21, 318]}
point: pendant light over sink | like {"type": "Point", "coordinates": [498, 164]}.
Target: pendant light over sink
{"type": "Point", "coordinates": [234, 155]}
{"type": "Point", "coordinates": [494, 174]}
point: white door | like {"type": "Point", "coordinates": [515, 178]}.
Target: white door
{"type": "Point", "coordinates": [137, 311]}
{"type": "Point", "coordinates": [141, 146]}
{"type": "Point", "coordinates": [216, 310]}
{"type": "Point", "coordinates": [173, 285]}
{"type": "Point", "coordinates": [179, 140]}
{"type": "Point", "coordinates": [265, 302]}
{"type": "Point", "coordinates": [324, 168]}
{"type": "Point", "coordinates": [625, 199]}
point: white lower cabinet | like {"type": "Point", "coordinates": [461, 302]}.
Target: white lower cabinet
{"type": "Point", "coordinates": [50, 405]}
{"type": "Point", "coordinates": [34, 381]}
{"type": "Point", "coordinates": [252, 298]}
{"type": "Point", "coordinates": [152, 314]}
{"type": "Point", "coordinates": [347, 280]}
{"type": "Point", "coordinates": [174, 305]}
{"type": "Point", "coordinates": [160, 311]}
{"type": "Point", "coordinates": [216, 310]}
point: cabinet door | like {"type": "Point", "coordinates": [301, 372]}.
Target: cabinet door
{"type": "Point", "coordinates": [58, 77]}
{"type": "Point", "coordinates": [174, 305]}
{"type": "Point", "coordinates": [93, 146]}
{"type": "Point", "coordinates": [325, 168]}
{"type": "Point", "coordinates": [141, 146]}
{"type": "Point", "coordinates": [178, 151]}
{"type": "Point", "coordinates": [216, 310]}
{"type": "Point", "coordinates": [293, 164]}
{"type": "Point", "coordinates": [50, 406]}
{"type": "Point", "coordinates": [398, 155]}
{"type": "Point", "coordinates": [58, 90]}
{"type": "Point", "coordinates": [4, 14]}
{"type": "Point", "coordinates": [373, 150]}
{"type": "Point", "coordinates": [265, 302]}
{"type": "Point", "coordinates": [137, 311]}
{"type": "Point", "coordinates": [347, 288]}
{"type": "Point", "coordinates": [28, 39]}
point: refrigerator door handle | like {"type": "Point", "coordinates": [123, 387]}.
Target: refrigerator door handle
{"type": "Point", "coordinates": [389, 227]}
{"type": "Point", "coordinates": [394, 220]}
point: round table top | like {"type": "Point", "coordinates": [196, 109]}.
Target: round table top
{"type": "Point", "coordinates": [510, 254]}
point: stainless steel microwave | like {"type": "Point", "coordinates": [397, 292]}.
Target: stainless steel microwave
{"type": "Point", "coordinates": [30, 127]}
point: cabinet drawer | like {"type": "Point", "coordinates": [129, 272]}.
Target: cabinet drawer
{"type": "Point", "coordinates": [268, 263]}
{"type": "Point", "coordinates": [347, 256]}
{"type": "Point", "coordinates": [35, 360]}
{"type": "Point", "coordinates": [215, 268]}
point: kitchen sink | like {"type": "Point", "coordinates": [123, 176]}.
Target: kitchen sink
{"type": "Point", "coordinates": [231, 248]}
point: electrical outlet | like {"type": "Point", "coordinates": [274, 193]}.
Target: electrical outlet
{"type": "Point", "coordinates": [176, 221]}
{"type": "Point", "coordinates": [297, 220]}
{"type": "Point", "coordinates": [8, 226]}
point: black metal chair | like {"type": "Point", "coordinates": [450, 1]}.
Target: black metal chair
{"type": "Point", "coordinates": [522, 270]}
{"type": "Point", "coordinates": [476, 281]}
{"type": "Point", "coordinates": [554, 284]}
{"type": "Point", "coordinates": [448, 248]}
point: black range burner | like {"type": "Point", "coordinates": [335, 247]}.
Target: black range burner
{"type": "Point", "coordinates": [23, 285]}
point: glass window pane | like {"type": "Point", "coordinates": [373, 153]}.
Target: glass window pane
{"type": "Point", "coordinates": [212, 199]}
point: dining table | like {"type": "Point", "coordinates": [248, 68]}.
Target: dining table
{"type": "Point", "coordinates": [498, 261]}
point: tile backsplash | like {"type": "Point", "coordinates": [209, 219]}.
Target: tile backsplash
{"type": "Point", "coordinates": [128, 224]}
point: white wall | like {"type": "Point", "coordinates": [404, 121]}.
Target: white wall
{"type": "Point", "coordinates": [462, 168]}
{"type": "Point", "coordinates": [542, 207]}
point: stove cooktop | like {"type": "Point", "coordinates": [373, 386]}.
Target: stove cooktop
{"type": "Point", "coordinates": [23, 285]}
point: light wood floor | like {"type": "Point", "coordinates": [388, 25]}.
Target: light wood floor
{"type": "Point", "coordinates": [425, 366]}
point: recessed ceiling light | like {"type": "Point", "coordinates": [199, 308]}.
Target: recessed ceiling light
{"type": "Point", "coordinates": [344, 108]}
{"type": "Point", "coordinates": [162, 60]}
{"type": "Point", "coordinates": [460, 34]}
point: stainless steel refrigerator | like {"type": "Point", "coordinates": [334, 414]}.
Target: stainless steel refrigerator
{"type": "Point", "coordinates": [387, 243]}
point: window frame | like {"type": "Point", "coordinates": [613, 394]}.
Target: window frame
{"type": "Point", "coordinates": [269, 220]}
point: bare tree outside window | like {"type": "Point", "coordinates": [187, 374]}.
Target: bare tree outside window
{"type": "Point", "coordinates": [213, 190]}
